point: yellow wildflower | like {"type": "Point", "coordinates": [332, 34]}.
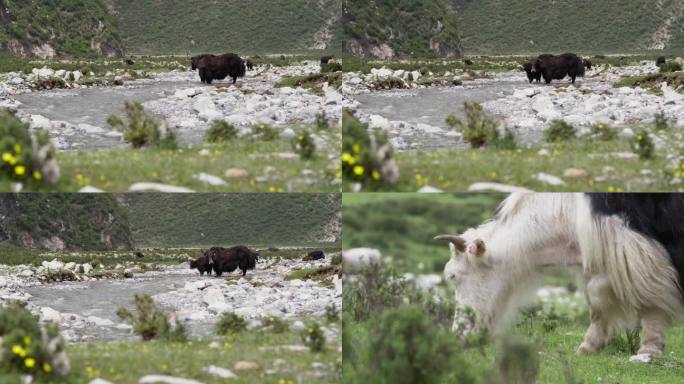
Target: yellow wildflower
{"type": "Point", "coordinates": [30, 362]}
{"type": "Point", "coordinates": [18, 350]}
{"type": "Point", "coordinates": [356, 148]}
{"type": "Point", "coordinates": [17, 148]}
{"type": "Point", "coordinates": [20, 170]}
{"type": "Point", "coordinates": [37, 175]}
{"type": "Point", "coordinates": [358, 170]}
{"type": "Point", "coordinates": [8, 158]}
{"type": "Point", "coordinates": [375, 175]}
{"type": "Point", "coordinates": [27, 340]}
{"type": "Point", "coordinates": [47, 368]}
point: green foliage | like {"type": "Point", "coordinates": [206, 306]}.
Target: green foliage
{"type": "Point", "coordinates": [229, 323]}
{"type": "Point", "coordinates": [313, 337]}
{"type": "Point", "coordinates": [275, 324]}
{"type": "Point", "coordinates": [642, 144]}
{"type": "Point", "coordinates": [559, 131]}
{"type": "Point", "coordinates": [304, 145]}
{"type": "Point", "coordinates": [171, 220]}
{"type": "Point", "coordinates": [220, 131]}
{"type": "Point", "coordinates": [27, 158]}
{"type": "Point", "coordinates": [314, 81]}
{"type": "Point", "coordinates": [151, 322]}
{"type": "Point", "coordinates": [604, 132]}
{"type": "Point", "coordinates": [71, 27]}
{"type": "Point", "coordinates": [264, 132]}
{"type": "Point", "coordinates": [661, 122]}
{"type": "Point", "coordinates": [29, 347]}
{"type": "Point", "coordinates": [140, 129]}
{"type": "Point", "coordinates": [180, 26]}
{"type": "Point", "coordinates": [336, 259]}
{"type": "Point", "coordinates": [670, 66]}
{"type": "Point", "coordinates": [408, 348]}
{"type": "Point", "coordinates": [408, 27]}
{"type": "Point", "coordinates": [332, 313]}
{"type": "Point", "coordinates": [367, 157]}
{"type": "Point", "coordinates": [517, 361]}
{"type": "Point", "coordinates": [331, 67]}
{"type": "Point", "coordinates": [480, 130]}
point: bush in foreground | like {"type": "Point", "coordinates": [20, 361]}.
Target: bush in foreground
{"type": "Point", "coordinates": [141, 130]}
{"type": "Point", "coordinates": [150, 322]}
{"type": "Point", "coordinates": [480, 130]}
{"type": "Point", "coordinates": [313, 337]}
{"type": "Point", "coordinates": [304, 145]}
{"type": "Point", "coordinates": [229, 324]}
{"type": "Point", "coordinates": [559, 131]}
{"type": "Point", "coordinates": [28, 347]}
{"type": "Point", "coordinates": [221, 131]}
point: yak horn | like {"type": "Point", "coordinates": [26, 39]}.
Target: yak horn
{"type": "Point", "coordinates": [455, 240]}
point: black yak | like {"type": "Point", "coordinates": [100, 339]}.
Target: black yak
{"type": "Point", "coordinates": [129, 62]}
{"type": "Point", "coordinates": [213, 67]}
{"type": "Point", "coordinates": [587, 63]}
{"type": "Point", "coordinates": [229, 259]}
{"type": "Point", "coordinates": [557, 67]}
{"type": "Point", "coordinates": [139, 255]}
{"type": "Point", "coordinates": [249, 64]}
{"type": "Point", "coordinates": [326, 59]}
{"type": "Point", "coordinates": [531, 70]}
{"type": "Point", "coordinates": [202, 264]}
{"type": "Point", "coordinates": [314, 255]}
{"type": "Point", "coordinates": [467, 62]}
{"type": "Point", "coordinates": [660, 61]}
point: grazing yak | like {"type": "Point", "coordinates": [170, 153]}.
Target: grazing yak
{"type": "Point", "coordinates": [467, 62]}
{"type": "Point", "coordinates": [129, 62]}
{"type": "Point", "coordinates": [202, 264]}
{"type": "Point", "coordinates": [230, 259]}
{"type": "Point", "coordinates": [660, 60]}
{"type": "Point", "coordinates": [326, 59]}
{"type": "Point", "coordinates": [213, 67]}
{"type": "Point", "coordinates": [557, 67]}
{"type": "Point", "coordinates": [531, 70]}
{"type": "Point", "coordinates": [139, 255]}
{"type": "Point", "coordinates": [629, 248]}
{"type": "Point", "coordinates": [314, 255]}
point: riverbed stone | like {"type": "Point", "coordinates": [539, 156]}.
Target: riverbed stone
{"type": "Point", "coordinates": [222, 373]}
{"type": "Point", "coordinates": [246, 366]}
{"type": "Point", "coordinates": [164, 379]}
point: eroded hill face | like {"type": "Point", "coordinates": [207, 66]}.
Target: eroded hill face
{"type": "Point", "coordinates": [48, 29]}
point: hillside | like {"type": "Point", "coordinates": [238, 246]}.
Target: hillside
{"type": "Point", "coordinates": [587, 26]}
{"type": "Point", "coordinates": [169, 220]}
{"type": "Point", "coordinates": [49, 28]}
{"type": "Point", "coordinates": [400, 28]}
{"type": "Point", "coordinates": [63, 221]}
{"type": "Point", "coordinates": [258, 26]}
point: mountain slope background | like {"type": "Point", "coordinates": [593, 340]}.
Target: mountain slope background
{"type": "Point", "coordinates": [588, 26]}
{"type": "Point", "coordinates": [256, 26]}
{"type": "Point", "coordinates": [122, 222]}
{"type": "Point", "coordinates": [50, 28]}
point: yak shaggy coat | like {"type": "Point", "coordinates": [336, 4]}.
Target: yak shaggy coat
{"type": "Point", "coordinates": [230, 259]}
{"type": "Point", "coordinates": [557, 67]}
{"type": "Point", "coordinates": [219, 67]}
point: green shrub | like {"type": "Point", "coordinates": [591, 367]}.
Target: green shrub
{"type": "Point", "coordinates": [28, 158]}
{"type": "Point", "coordinates": [480, 130]}
{"type": "Point", "coordinates": [275, 324]}
{"type": "Point", "coordinates": [313, 337]}
{"type": "Point", "coordinates": [661, 122]}
{"type": "Point", "coordinates": [28, 347]}
{"type": "Point", "coordinates": [670, 66]}
{"type": "Point", "coordinates": [221, 131]}
{"type": "Point", "coordinates": [559, 131]}
{"type": "Point", "coordinates": [604, 132]}
{"type": "Point", "coordinates": [331, 313]}
{"type": "Point", "coordinates": [304, 145]}
{"type": "Point", "coordinates": [331, 67]}
{"type": "Point", "coordinates": [517, 361]}
{"type": "Point", "coordinates": [140, 129]}
{"type": "Point", "coordinates": [150, 322]}
{"type": "Point", "coordinates": [367, 157]}
{"type": "Point", "coordinates": [336, 259]}
{"type": "Point", "coordinates": [642, 145]}
{"type": "Point", "coordinates": [264, 132]}
{"type": "Point", "coordinates": [229, 324]}
{"type": "Point", "coordinates": [322, 123]}
{"type": "Point", "coordinates": [407, 348]}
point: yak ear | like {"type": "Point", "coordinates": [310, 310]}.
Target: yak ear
{"type": "Point", "coordinates": [476, 248]}
{"type": "Point", "coordinates": [457, 241]}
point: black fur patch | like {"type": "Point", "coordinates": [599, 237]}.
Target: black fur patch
{"type": "Point", "coordinates": [659, 216]}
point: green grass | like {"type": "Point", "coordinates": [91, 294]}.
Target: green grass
{"type": "Point", "coordinates": [533, 26]}
{"type": "Point", "coordinates": [99, 66]}
{"type": "Point", "coordinates": [456, 170]}
{"type": "Point", "coordinates": [126, 363]}
{"type": "Point", "coordinates": [117, 170]}
{"type": "Point", "coordinates": [265, 26]}
{"type": "Point", "coordinates": [14, 255]}
{"type": "Point", "coordinates": [653, 82]}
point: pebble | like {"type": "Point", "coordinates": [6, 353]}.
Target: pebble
{"type": "Point", "coordinates": [151, 379]}
{"type": "Point", "coordinates": [223, 373]}
{"type": "Point", "coordinates": [246, 366]}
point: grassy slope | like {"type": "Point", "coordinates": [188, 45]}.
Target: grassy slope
{"type": "Point", "coordinates": [407, 26]}
{"type": "Point", "coordinates": [68, 25]}
{"type": "Point", "coordinates": [261, 26]}
{"type": "Point", "coordinates": [510, 26]}
{"type": "Point", "coordinates": [169, 220]}
{"type": "Point", "coordinates": [403, 225]}
{"type": "Point", "coordinates": [126, 363]}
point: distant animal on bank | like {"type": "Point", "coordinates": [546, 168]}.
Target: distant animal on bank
{"type": "Point", "coordinates": [660, 61]}
{"type": "Point", "coordinates": [129, 62]}
{"type": "Point", "coordinates": [628, 246]}
{"type": "Point", "coordinates": [467, 62]}
{"type": "Point", "coordinates": [213, 67]}
{"type": "Point", "coordinates": [230, 259]}
{"type": "Point", "coordinates": [558, 67]}
{"type": "Point", "coordinates": [249, 64]}
{"type": "Point", "coordinates": [202, 264]}
{"type": "Point", "coordinates": [326, 59]}
{"type": "Point", "coordinates": [587, 63]}
{"type": "Point", "coordinates": [139, 255]}
{"type": "Point", "coordinates": [314, 255]}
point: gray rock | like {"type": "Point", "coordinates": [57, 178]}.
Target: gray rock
{"type": "Point", "coordinates": [151, 379]}
{"type": "Point", "coordinates": [220, 372]}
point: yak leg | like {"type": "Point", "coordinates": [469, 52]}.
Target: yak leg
{"type": "Point", "coordinates": [244, 272]}
{"type": "Point", "coordinates": [234, 79]}
{"type": "Point", "coordinates": [602, 309]}
{"type": "Point", "coordinates": [653, 326]}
